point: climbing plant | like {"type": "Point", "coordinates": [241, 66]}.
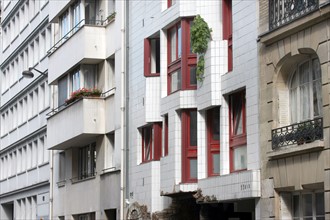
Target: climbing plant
{"type": "Point", "coordinates": [200, 36]}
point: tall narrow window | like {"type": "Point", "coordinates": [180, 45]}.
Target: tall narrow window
{"type": "Point", "coordinates": [165, 135]}
{"type": "Point", "coordinates": [306, 91]}
{"type": "Point", "coordinates": [238, 148]}
{"type": "Point", "coordinates": [62, 90]}
{"type": "Point", "coordinates": [228, 29]}
{"type": "Point", "coordinates": [181, 61]}
{"type": "Point", "coordinates": [152, 56]}
{"type": "Point", "coordinates": [189, 145]}
{"type": "Point", "coordinates": [75, 80]}
{"type": "Point", "coordinates": [76, 15]}
{"type": "Point", "coordinates": [64, 24]}
{"type": "Point", "coordinates": [213, 141]}
{"type": "Point", "coordinates": [151, 142]}
{"type": "Point", "coordinates": [170, 3]}
{"type": "Point", "coordinates": [87, 161]}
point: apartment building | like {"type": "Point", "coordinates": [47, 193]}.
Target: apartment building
{"type": "Point", "coordinates": [193, 146]}
{"type": "Point", "coordinates": [84, 132]}
{"type": "Point", "coordinates": [24, 158]}
{"type": "Point", "coordinates": [294, 109]}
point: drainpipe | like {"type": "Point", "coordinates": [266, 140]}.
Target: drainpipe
{"type": "Point", "coordinates": [122, 112]}
{"type": "Point", "coordinates": [51, 183]}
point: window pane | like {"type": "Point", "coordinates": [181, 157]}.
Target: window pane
{"type": "Point", "coordinates": [304, 102]}
{"type": "Point", "coordinates": [240, 158]}
{"type": "Point", "coordinates": [62, 90]}
{"type": "Point", "coordinates": [216, 163]}
{"type": "Point", "coordinates": [179, 42]}
{"type": "Point", "coordinates": [216, 124]}
{"type": "Point", "coordinates": [307, 205]}
{"type": "Point", "coordinates": [75, 81]}
{"type": "Point", "coordinates": [193, 79]}
{"type": "Point", "coordinates": [319, 204]}
{"type": "Point", "coordinates": [176, 80]}
{"type": "Point", "coordinates": [147, 143]}
{"type": "Point", "coordinates": [193, 128]}
{"type": "Point", "coordinates": [237, 115]}
{"type": "Point", "coordinates": [155, 55]}
{"type": "Point", "coordinates": [295, 206]}
{"type": "Point", "coordinates": [173, 44]}
{"type": "Point", "coordinates": [193, 168]}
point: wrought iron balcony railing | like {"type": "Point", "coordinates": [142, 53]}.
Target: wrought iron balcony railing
{"type": "Point", "coordinates": [299, 133]}
{"type": "Point", "coordinates": [284, 11]}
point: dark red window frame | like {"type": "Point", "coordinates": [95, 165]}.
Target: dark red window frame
{"type": "Point", "coordinates": [189, 150]}
{"type": "Point", "coordinates": [213, 144]}
{"type": "Point", "coordinates": [228, 29]}
{"type": "Point", "coordinates": [147, 56]}
{"type": "Point", "coordinates": [170, 3]}
{"type": "Point", "coordinates": [188, 60]}
{"type": "Point", "coordinates": [165, 135]}
{"type": "Point", "coordinates": [236, 140]}
{"type": "Point", "coordinates": [154, 134]}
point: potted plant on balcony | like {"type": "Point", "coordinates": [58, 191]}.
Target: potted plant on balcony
{"type": "Point", "coordinates": [83, 92]}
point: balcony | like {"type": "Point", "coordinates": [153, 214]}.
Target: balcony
{"type": "Point", "coordinates": [84, 43]}
{"type": "Point", "coordinates": [299, 133]}
{"type": "Point", "coordinates": [77, 123]}
{"type": "Point", "coordinates": [282, 12]}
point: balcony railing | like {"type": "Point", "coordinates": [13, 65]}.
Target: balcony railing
{"type": "Point", "coordinates": [78, 26]}
{"type": "Point", "coordinates": [83, 176]}
{"type": "Point", "coordinates": [284, 11]}
{"type": "Point", "coordinates": [299, 133]}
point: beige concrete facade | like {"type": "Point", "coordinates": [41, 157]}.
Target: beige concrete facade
{"type": "Point", "coordinates": [294, 169]}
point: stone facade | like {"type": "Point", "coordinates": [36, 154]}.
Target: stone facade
{"type": "Point", "coordinates": [297, 168]}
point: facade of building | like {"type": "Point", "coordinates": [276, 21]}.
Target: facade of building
{"type": "Point", "coordinates": [24, 158]}
{"type": "Point", "coordinates": [84, 132]}
{"type": "Point", "coordinates": [294, 109]}
{"type": "Point", "coordinates": [193, 146]}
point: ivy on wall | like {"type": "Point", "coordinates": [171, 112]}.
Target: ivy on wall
{"type": "Point", "coordinates": [200, 36]}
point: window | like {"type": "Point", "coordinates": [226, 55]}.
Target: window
{"type": "Point", "coordinates": [181, 61]}
{"type": "Point", "coordinates": [213, 141]}
{"type": "Point", "coordinates": [189, 145]}
{"type": "Point", "coordinates": [76, 15]}
{"type": "Point", "coordinates": [228, 30]}
{"type": "Point", "coordinates": [62, 90]}
{"type": "Point", "coordinates": [165, 135]}
{"type": "Point", "coordinates": [304, 205]}
{"type": "Point", "coordinates": [61, 172]}
{"type": "Point", "coordinates": [64, 24]}
{"type": "Point", "coordinates": [170, 3]}
{"type": "Point", "coordinates": [111, 6]}
{"type": "Point", "coordinates": [87, 161]}
{"type": "Point", "coordinates": [152, 56]}
{"type": "Point", "coordinates": [87, 216]}
{"type": "Point", "coordinates": [306, 91]}
{"type": "Point", "coordinates": [237, 126]}
{"type": "Point", "coordinates": [109, 155]}
{"type": "Point", "coordinates": [151, 142]}
{"type": "Point", "coordinates": [75, 80]}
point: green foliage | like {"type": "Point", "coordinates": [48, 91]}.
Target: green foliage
{"type": "Point", "coordinates": [200, 36]}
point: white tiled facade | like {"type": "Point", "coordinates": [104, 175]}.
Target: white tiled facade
{"type": "Point", "coordinates": [158, 184]}
{"type": "Point", "coordinates": [24, 158]}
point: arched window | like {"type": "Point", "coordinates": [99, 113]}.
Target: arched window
{"type": "Point", "coordinates": [306, 91]}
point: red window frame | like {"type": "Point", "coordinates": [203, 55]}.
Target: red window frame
{"type": "Point", "coordinates": [189, 150]}
{"type": "Point", "coordinates": [165, 135]}
{"type": "Point", "coordinates": [147, 57]}
{"type": "Point", "coordinates": [236, 140]}
{"type": "Point", "coordinates": [183, 63]}
{"type": "Point", "coordinates": [213, 144]}
{"type": "Point", "coordinates": [154, 133]}
{"type": "Point", "coordinates": [170, 3]}
{"type": "Point", "coordinates": [228, 29]}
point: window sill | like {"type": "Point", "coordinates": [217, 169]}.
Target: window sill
{"type": "Point", "coordinates": [31, 169]}
{"type": "Point", "coordinates": [3, 180]}
{"type": "Point", "coordinates": [43, 164]}
{"type": "Point", "coordinates": [73, 181]}
{"type": "Point", "coordinates": [33, 117]}
{"type": "Point", "coordinates": [6, 48]}
{"type": "Point", "coordinates": [11, 176]}
{"type": "Point", "coordinates": [61, 183]}
{"type": "Point", "coordinates": [13, 84]}
{"type": "Point", "coordinates": [23, 28]}
{"type": "Point", "coordinates": [296, 149]}
{"type": "Point", "coordinates": [4, 92]}
{"type": "Point", "coordinates": [109, 171]}
{"type": "Point", "coordinates": [21, 173]}
{"type": "Point", "coordinates": [4, 135]}
{"type": "Point", "coordinates": [23, 123]}
{"type": "Point", "coordinates": [12, 130]}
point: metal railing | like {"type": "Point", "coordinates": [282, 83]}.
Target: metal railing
{"type": "Point", "coordinates": [77, 27]}
{"type": "Point", "coordinates": [298, 133]}
{"type": "Point", "coordinates": [284, 11]}
{"type": "Point", "coordinates": [64, 105]}
{"type": "Point", "coordinates": [82, 176]}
